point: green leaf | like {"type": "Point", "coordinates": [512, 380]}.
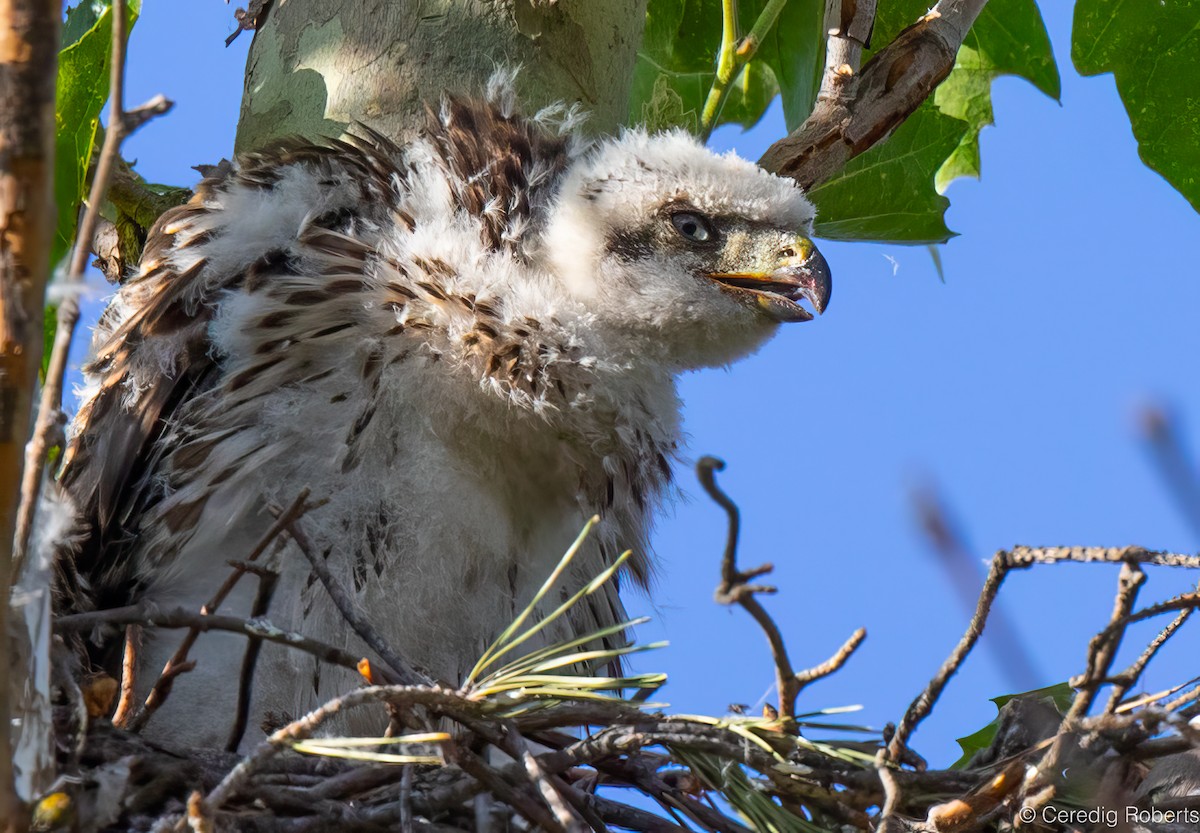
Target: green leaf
{"type": "Point", "coordinates": [887, 193]}
{"type": "Point", "coordinates": [1153, 50]}
{"type": "Point", "coordinates": [794, 50]}
{"type": "Point", "coordinates": [891, 192]}
{"type": "Point", "coordinates": [81, 91]}
{"type": "Point", "coordinates": [81, 18]}
{"type": "Point", "coordinates": [678, 57]}
{"type": "Point", "coordinates": [1060, 694]}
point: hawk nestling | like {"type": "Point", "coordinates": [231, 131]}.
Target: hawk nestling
{"type": "Point", "coordinates": [466, 346]}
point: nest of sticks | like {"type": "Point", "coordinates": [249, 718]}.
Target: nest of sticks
{"type": "Point", "coordinates": [535, 741]}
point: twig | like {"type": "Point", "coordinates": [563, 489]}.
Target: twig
{"type": "Point", "coordinates": [1179, 702]}
{"type": "Point", "coordinates": [120, 124]}
{"type": "Point", "coordinates": [1184, 601]}
{"type": "Point", "coordinates": [534, 813]}
{"type": "Point", "coordinates": [1128, 678]}
{"type": "Point", "coordinates": [406, 811]}
{"type": "Point", "coordinates": [735, 587]}
{"type": "Point", "coordinates": [259, 608]}
{"type": "Point", "coordinates": [248, 19]}
{"type": "Point", "coordinates": [129, 660]}
{"type": "Point", "coordinates": [305, 726]}
{"type": "Point", "coordinates": [624, 816]}
{"type": "Point", "coordinates": [849, 23]}
{"type": "Point", "coordinates": [835, 662]}
{"type": "Point", "coordinates": [948, 542]}
{"type": "Point", "coordinates": [891, 790]}
{"type": "Point", "coordinates": [869, 106]}
{"type": "Point", "coordinates": [162, 686]}
{"type": "Point", "coordinates": [204, 622]}
{"type": "Point", "coordinates": [541, 779]}
{"type": "Point", "coordinates": [405, 673]}
{"type": "Point", "coordinates": [1102, 649]}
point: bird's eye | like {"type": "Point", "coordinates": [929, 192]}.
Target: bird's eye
{"type": "Point", "coordinates": [692, 226]}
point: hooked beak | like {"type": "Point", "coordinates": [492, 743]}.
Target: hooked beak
{"type": "Point", "coordinates": [801, 274]}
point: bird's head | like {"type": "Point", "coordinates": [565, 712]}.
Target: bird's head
{"type": "Point", "coordinates": [693, 257]}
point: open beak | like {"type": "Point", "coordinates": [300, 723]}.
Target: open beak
{"type": "Point", "coordinates": [801, 275]}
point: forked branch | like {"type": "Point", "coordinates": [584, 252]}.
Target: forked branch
{"type": "Point", "coordinates": [736, 588]}
{"type": "Point", "coordinates": [856, 111]}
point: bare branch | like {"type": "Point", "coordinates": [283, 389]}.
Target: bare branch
{"type": "Point", "coordinates": [129, 660]}
{"type": "Point", "coordinates": [162, 686]}
{"type": "Point", "coordinates": [119, 124]}
{"type": "Point", "coordinates": [849, 24]}
{"type": "Point", "coordinates": [405, 673]}
{"type": "Point", "coordinates": [863, 110]}
{"type": "Point", "coordinates": [835, 662]}
{"type": "Point", "coordinates": [149, 617]}
{"type": "Point", "coordinates": [1103, 647]}
{"type": "Point", "coordinates": [735, 588]}
{"type": "Point", "coordinates": [947, 540]}
{"type": "Point", "coordinates": [563, 813]}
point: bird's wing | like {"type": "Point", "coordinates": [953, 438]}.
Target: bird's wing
{"type": "Point", "coordinates": [297, 226]}
{"type": "Point", "coordinates": [153, 355]}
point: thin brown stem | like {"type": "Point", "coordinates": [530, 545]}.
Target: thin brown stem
{"type": "Point", "coordinates": [202, 623]}
{"type": "Point", "coordinates": [735, 587]}
{"type": "Point", "coordinates": [49, 408]}
{"type": "Point", "coordinates": [1102, 649]}
{"type": "Point", "coordinates": [405, 672]}
{"type": "Point", "coordinates": [162, 686]}
{"type": "Point", "coordinates": [129, 661]}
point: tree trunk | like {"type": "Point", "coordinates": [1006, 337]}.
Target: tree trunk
{"type": "Point", "coordinates": [318, 65]}
{"type": "Point", "coordinates": [28, 54]}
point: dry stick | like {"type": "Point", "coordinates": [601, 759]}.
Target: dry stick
{"type": "Point", "coordinates": [162, 686]}
{"type": "Point", "coordinates": [406, 812]}
{"type": "Point", "coordinates": [1184, 601]}
{"type": "Point", "coordinates": [734, 587]}
{"type": "Point", "coordinates": [404, 672]}
{"type": "Point", "coordinates": [541, 779]}
{"type": "Point", "coordinates": [1128, 678]}
{"type": "Point", "coordinates": [120, 125]}
{"type": "Point", "coordinates": [1102, 649]}
{"type": "Point", "coordinates": [262, 604]}
{"type": "Point", "coordinates": [530, 810]}
{"type": "Point", "coordinates": [849, 23]}
{"type": "Point", "coordinates": [891, 790]}
{"type": "Point", "coordinates": [1179, 702]}
{"type": "Point", "coordinates": [624, 816]}
{"type": "Point", "coordinates": [203, 622]}
{"type": "Point", "coordinates": [129, 658]}
{"type": "Point", "coordinates": [958, 559]}
{"type": "Point", "coordinates": [309, 723]}
{"type": "Point", "coordinates": [874, 103]}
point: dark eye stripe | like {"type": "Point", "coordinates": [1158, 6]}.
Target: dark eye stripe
{"type": "Point", "coordinates": [693, 227]}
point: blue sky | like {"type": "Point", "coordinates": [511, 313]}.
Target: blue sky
{"type": "Point", "coordinates": [1069, 302]}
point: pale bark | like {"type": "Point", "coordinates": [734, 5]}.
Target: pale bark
{"type": "Point", "coordinates": [318, 65]}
